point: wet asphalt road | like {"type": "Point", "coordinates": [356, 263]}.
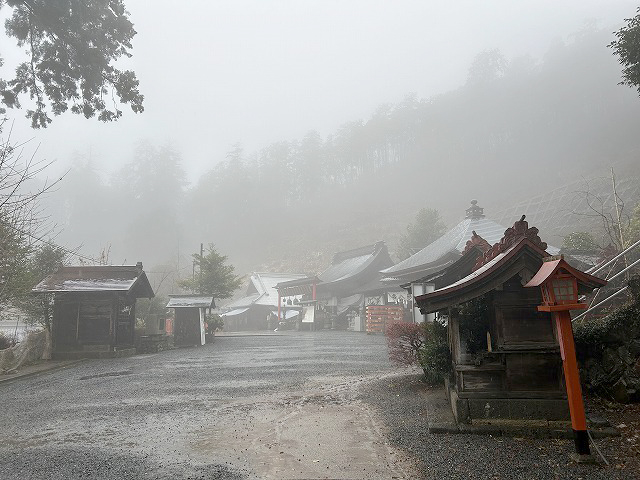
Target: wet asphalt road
{"type": "Point", "coordinates": [299, 405]}
{"type": "Point", "coordinates": [243, 407]}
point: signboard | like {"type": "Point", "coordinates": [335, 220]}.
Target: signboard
{"type": "Point", "coordinates": [418, 289]}
{"type": "Point", "coordinates": [374, 300]}
{"type": "Point", "coordinates": [308, 314]}
{"type": "Point", "coordinates": [203, 330]}
{"type": "Point", "coordinates": [398, 297]}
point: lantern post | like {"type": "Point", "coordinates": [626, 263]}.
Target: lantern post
{"type": "Point", "coordinates": [558, 282]}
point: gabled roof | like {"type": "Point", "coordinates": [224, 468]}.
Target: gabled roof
{"type": "Point", "coordinates": [246, 301]}
{"type": "Point", "coordinates": [129, 279]}
{"type": "Point", "coordinates": [264, 284]}
{"type": "Point", "coordinates": [446, 249]}
{"type": "Point", "coordinates": [262, 291]}
{"type": "Point", "coordinates": [552, 264]}
{"type": "Point", "coordinates": [233, 313]}
{"type": "Point", "coordinates": [519, 251]}
{"type": "Point", "coordinates": [350, 262]}
{"type": "Point", "coordinates": [525, 257]}
{"type": "Point", "coordinates": [377, 286]}
{"type": "Point", "coordinates": [298, 286]}
{"type": "Point", "coordinates": [355, 267]}
{"type": "Point", "coordinates": [191, 301]}
{"type": "Point", "coordinates": [453, 271]}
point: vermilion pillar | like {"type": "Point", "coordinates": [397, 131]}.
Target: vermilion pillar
{"type": "Point", "coordinates": [559, 286]}
{"type": "Point", "coordinates": [572, 380]}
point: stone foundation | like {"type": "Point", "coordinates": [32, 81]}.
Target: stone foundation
{"type": "Point", "coordinates": [94, 353]}
{"type": "Point", "coordinates": [468, 409]}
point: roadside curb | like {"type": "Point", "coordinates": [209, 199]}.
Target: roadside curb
{"type": "Point", "coordinates": [37, 370]}
{"type": "Point", "coordinates": [517, 430]}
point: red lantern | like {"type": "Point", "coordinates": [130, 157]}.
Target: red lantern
{"type": "Point", "coordinates": [558, 283]}
{"type": "Point", "coordinates": [560, 289]}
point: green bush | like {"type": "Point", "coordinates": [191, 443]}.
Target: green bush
{"type": "Point", "coordinates": [434, 356]}
{"type": "Point", "coordinates": [214, 322]}
{"type": "Point", "coordinates": [423, 344]}
{"type": "Point", "coordinates": [592, 337]}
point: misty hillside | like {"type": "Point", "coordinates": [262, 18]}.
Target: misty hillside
{"type": "Point", "coordinates": [519, 127]}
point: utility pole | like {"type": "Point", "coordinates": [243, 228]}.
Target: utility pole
{"type": "Point", "coordinates": [201, 260]}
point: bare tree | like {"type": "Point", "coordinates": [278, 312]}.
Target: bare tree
{"type": "Point", "coordinates": [608, 210]}
{"type": "Point", "coordinates": [22, 222]}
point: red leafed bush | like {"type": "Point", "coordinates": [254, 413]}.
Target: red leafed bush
{"type": "Point", "coordinates": [404, 341]}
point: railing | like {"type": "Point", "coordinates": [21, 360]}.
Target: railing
{"type": "Point", "coordinates": [597, 268]}
{"type": "Point", "coordinates": [617, 292]}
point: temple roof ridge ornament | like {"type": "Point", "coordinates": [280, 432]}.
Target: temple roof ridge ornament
{"type": "Point", "coordinates": [476, 241]}
{"type": "Point", "coordinates": [474, 212]}
{"type": "Point", "coordinates": [511, 237]}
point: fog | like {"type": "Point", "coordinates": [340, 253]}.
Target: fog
{"type": "Point", "coordinates": [285, 131]}
{"type": "Point", "coordinates": [217, 73]}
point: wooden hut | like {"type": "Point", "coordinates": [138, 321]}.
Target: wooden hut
{"type": "Point", "coordinates": [94, 309]}
{"type": "Point", "coordinates": [190, 316]}
{"type": "Point", "coordinates": [505, 355]}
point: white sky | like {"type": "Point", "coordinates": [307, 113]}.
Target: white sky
{"type": "Point", "coordinates": [218, 72]}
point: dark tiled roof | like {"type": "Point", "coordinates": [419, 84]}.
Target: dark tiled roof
{"type": "Point", "coordinates": [97, 278]}
{"type": "Point", "coordinates": [349, 264]}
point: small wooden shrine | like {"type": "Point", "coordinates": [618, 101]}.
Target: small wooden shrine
{"type": "Point", "coordinates": [190, 318]}
{"type": "Point", "coordinates": [94, 309]}
{"type": "Point", "coordinates": [505, 356]}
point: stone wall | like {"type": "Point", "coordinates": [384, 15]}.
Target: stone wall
{"type": "Point", "coordinates": [609, 352]}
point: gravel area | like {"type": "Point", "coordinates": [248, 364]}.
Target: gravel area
{"type": "Point", "coordinates": [400, 403]}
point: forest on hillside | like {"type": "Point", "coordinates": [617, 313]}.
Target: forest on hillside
{"type": "Point", "coordinates": [517, 128]}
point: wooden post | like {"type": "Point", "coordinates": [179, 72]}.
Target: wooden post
{"type": "Point", "coordinates": [279, 307]}
{"type": "Point", "coordinates": [200, 289]}
{"type": "Point", "coordinates": [572, 381]}
{"type": "Point", "coordinates": [132, 322]}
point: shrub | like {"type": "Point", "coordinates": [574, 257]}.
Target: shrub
{"type": "Point", "coordinates": [6, 341]}
{"type": "Point", "coordinates": [214, 322]}
{"type": "Point", "coordinates": [404, 341]}
{"type": "Point", "coordinates": [421, 344]}
{"type": "Point", "coordinates": [617, 328]}
{"type": "Point", "coordinates": [435, 356]}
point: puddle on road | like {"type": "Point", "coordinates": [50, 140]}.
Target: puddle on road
{"type": "Point", "coordinates": [305, 438]}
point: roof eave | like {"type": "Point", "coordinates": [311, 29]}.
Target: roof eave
{"type": "Point", "coordinates": [478, 284]}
